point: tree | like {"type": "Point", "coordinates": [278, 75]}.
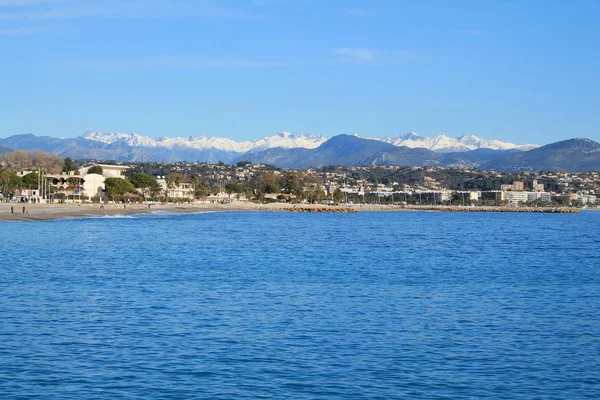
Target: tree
{"type": "Point", "coordinates": [21, 160]}
{"type": "Point", "coordinates": [118, 187]}
{"type": "Point", "coordinates": [73, 184]}
{"type": "Point", "coordinates": [338, 195]}
{"type": "Point", "coordinates": [229, 189]}
{"type": "Point", "coordinates": [31, 180]}
{"type": "Point", "coordinates": [270, 181]}
{"type": "Point", "coordinates": [202, 189]}
{"type": "Point", "coordinates": [147, 184]}
{"type": "Point", "coordinates": [292, 183]}
{"type": "Point", "coordinates": [172, 181]}
{"type": "Point", "coordinates": [457, 198]}
{"type": "Point", "coordinates": [155, 191]}
{"type": "Point", "coordinates": [9, 182]}
{"type": "Point", "coordinates": [236, 188]}
{"type": "Point", "coordinates": [68, 165]}
{"type": "Point", "coordinates": [96, 169]}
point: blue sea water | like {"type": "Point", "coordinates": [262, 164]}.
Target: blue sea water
{"type": "Point", "coordinates": [254, 305]}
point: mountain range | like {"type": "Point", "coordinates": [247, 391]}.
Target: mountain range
{"type": "Point", "coordinates": [302, 151]}
{"type": "Point", "coordinates": [570, 155]}
{"type": "Point", "coordinates": [447, 144]}
{"type": "Point", "coordinates": [135, 147]}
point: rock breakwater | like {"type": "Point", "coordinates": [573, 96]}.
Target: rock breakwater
{"type": "Point", "coordinates": [552, 210]}
{"type": "Point", "coordinates": [321, 209]}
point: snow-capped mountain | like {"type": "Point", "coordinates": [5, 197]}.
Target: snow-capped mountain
{"type": "Point", "coordinates": [447, 144]}
{"type": "Point", "coordinates": [129, 139]}
{"type": "Point", "coordinates": [135, 147]}
{"type": "Point", "coordinates": [282, 139]}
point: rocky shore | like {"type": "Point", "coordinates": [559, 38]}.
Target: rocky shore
{"type": "Point", "coordinates": [321, 209]}
{"type": "Point", "coordinates": [552, 210]}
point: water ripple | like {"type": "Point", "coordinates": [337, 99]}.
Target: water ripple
{"type": "Point", "coordinates": [301, 306]}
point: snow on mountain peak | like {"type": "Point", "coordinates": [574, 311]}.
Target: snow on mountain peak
{"type": "Point", "coordinates": [280, 139]}
{"type": "Point", "coordinates": [131, 139]}
{"type": "Point", "coordinates": [445, 144]}
{"type": "Point", "coordinates": [283, 139]}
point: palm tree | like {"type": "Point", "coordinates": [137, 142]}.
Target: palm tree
{"type": "Point", "coordinates": [195, 182]}
{"type": "Point", "coordinates": [72, 184]}
{"type": "Point", "coordinates": [170, 184]}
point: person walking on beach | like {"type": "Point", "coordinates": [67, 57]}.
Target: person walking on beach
{"type": "Point", "coordinates": [23, 209]}
{"type": "Point", "coordinates": [12, 209]}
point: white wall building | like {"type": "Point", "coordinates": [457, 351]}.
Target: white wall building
{"type": "Point", "coordinates": [93, 186]}
{"type": "Point", "coordinates": [84, 186]}
{"type": "Point", "coordinates": [515, 198]}
{"type": "Point", "coordinates": [108, 171]}
{"type": "Point", "coordinates": [543, 196]}
{"type": "Point", "coordinates": [587, 199]}
{"type": "Point", "coordinates": [184, 190]}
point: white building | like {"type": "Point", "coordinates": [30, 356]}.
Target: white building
{"type": "Point", "coordinates": [587, 199]}
{"type": "Point", "coordinates": [543, 196]}
{"type": "Point", "coordinates": [184, 190]}
{"type": "Point", "coordinates": [93, 186]}
{"type": "Point", "coordinates": [84, 186]}
{"type": "Point", "coordinates": [108, 171]}
{"type": "Point", "coordinates": [515, 198]}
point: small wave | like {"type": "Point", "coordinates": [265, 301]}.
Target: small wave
{"type": "Point", "coordinates": [116, 216]}
{"type": "Point", "coordinates": [171, 213]}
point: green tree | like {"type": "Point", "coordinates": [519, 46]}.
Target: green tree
{"type": "Point", "coordinates": [236, 188]}
{"type": "Point", "coordinates": [118, 187]}
{"type": "Point", "coordinates": [172, 181]}
{"type": "Point", "coordinates": [31, 180]}
{"type": "Point", "coordinates": [96, 169]}
{"type": "Point", "coordinates": [292, 183]}
{"type": "Point", "coordinates": [147, 184]}
{"type": "Point", "coordinates": [68, 165]}
{"type": "Point", "coordinates": [202, 189]}
{"type": "Point", "coordinates": [338, 195]}
{"type": "Point", "coordinates": [9, 182]}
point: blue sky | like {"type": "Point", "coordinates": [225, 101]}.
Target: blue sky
{"type": "Point", "coordinates": [521, 71]}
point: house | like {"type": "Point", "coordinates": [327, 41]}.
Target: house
{"type": "Point", "coordinates": [83, 186]}
{"type": "Point", "coordinates": [179, 190]}
{"type": "Point", "coordinates": [108, 171]}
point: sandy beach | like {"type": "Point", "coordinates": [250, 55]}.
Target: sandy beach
{"type": "Point", "coordinates": [40, 212]}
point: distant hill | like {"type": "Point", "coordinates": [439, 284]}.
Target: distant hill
{"type": "Point", "coordinates": [31, 142]}
{"type": "Point", "coordinates": [4, 150]}
{"type": "Point", "coordinates": [346, 150]}
{"type": "Point", "coordinates": [571, 155]}
{"type": "Point", "coordinates": [135, 147]}
{"type": "Point", "coordinates": [298, 151]}
{"type": "Point", "coordinates": [474, 158]}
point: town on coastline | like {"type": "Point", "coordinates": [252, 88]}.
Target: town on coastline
{"type": "Point", "coordinates": [39, 177]}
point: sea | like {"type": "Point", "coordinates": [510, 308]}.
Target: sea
{"type": "Point", "coordinates": [273, 305]}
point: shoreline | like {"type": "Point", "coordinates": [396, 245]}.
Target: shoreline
{"type": "Point", "coordinates": [46, 212]}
